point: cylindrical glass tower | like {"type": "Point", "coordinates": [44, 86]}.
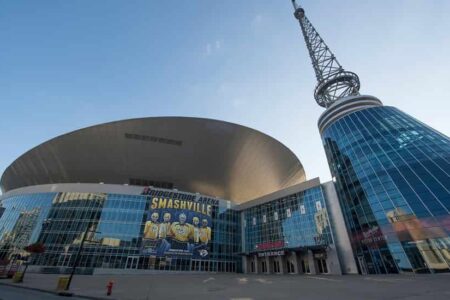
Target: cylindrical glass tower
{"type": "Point", "coordinates": [392, 175]}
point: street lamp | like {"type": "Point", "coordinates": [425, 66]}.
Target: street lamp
{"type": "Point", "coordinates": [77, 257]}
{"type": "Point", "coordinates": [45, 226]}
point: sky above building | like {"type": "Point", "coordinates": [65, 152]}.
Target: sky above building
{"type": "Point", "coordinates": [66, 65]}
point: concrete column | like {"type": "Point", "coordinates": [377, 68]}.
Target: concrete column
{"type": "Point", "coordinates": [312, 263]}
{"type": "Point", "coordinates": [299, 256]}
{"type": "Point", "coordinates": [274, 258]}
{"type": "Point", "coordinates": [257, 266]}
{"type": "Point", "coordinates": [245, 265]}
{"type": "Point", "coordinates": [341, 240]}
{"type": "Point", "coordinates": [333, 265]}
{"type": "Point", "coordinates": [294, 260]}
{"type": "Point", "coordinates": [303, 259]}
{"type": "Point", "coordinates": [268, 265]}
{"type": "Point", "coordinates": [282, 262]}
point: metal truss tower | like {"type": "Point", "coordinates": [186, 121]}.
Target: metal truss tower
{"type": "Point", "coordinates": [333, 82]}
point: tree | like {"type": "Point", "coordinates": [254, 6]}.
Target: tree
{"type": "Point", "coordinates": [35, 248]}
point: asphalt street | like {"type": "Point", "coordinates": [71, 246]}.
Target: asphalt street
{"type": "Point", "coordinates": [242, 286]}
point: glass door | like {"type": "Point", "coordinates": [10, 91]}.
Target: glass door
{"type": "Point", "coordinates": [132, 262]}
{"type": "Point", "coordinates": [362, 265]}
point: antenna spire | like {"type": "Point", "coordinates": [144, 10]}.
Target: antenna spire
{"type": "Point", "coordinates": [333, 82]}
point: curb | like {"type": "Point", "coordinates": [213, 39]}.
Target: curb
{"type": "Point", "coordinates": [54, 292]}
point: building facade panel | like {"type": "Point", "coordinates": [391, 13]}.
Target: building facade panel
{"type": "Point", "coordinates": [393, 180]}
{"type": "Point", "coordinates": [298, 220]}
{"type": "Point", "coordinates": [290, 234]}
{"type": "Point", "coordinates": [157, 230]}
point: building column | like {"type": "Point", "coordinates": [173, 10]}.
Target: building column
{"type": "Point", "coordinates": [312, 263]}
{"type": "Point", "coordinates": [245, 265]}
{"type": "Point", "coordinates": [269, 264]}
{"type": "Point", "coordinates": [293, 259]}
{"type": "Point", "coordinates": [333, 265]}
{"type": "Point", "coordinates": [257, 266]}
{"type": "Point", "coordinates": [300, 261]}
{"type": "Point", "coordinates": [282, 262]}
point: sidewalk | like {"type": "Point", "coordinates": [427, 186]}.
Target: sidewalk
{"type": "Point", "coordinates": [82, 286]}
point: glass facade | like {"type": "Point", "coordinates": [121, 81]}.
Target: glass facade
{"type": "Point", "coordinates": [392, 176]}
{"type": "Point", "coordinates": [159, 230]}
{"type": "Point", "coordinates": [298, 221]}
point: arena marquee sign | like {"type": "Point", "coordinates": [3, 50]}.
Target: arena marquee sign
{"type": "Point", "coordinates": [271, 253]}
{"type": "Point", "coordinates": [269, 245]}
{"type": "Point", "coordinates": [164, 203]}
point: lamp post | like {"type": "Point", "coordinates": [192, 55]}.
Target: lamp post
{"type": "Point", "coordinates": [45, 226]}
{"type": "Point", "coordinates": [77, 257]}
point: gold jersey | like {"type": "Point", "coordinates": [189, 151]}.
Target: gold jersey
{"type": "Point", "coordinates": [180, 232]}
{"type": "Point", "coordinates": [195, 234]}
{"type": "Point", "coordinates": [205, 234]}
{"type": "Point", "coordinates": [164, 230]}
{"type": "Point", "coordinates": [151, 230]}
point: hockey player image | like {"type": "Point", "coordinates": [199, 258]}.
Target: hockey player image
{"type": "Point", "coordinates": [195, 234]}
{"type": "Point", "coordinates": [205, 232]}
{"type": "Point", "coordinates": [164, 228]}
{"type": "Point", "coordinates": [151, 229]}
{"type": "Point", "coordinates": [180, 232]}
{"type": "Point", "coordinates": [200, 250]}
{"type": "Point", "coordinates": [150, 239]}
{"type": "Point", "coordinates": [164, 235]}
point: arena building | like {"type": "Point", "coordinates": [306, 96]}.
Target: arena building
{"type": "Point", "coordinates": [190, 194]}
{"type": "Point", "coordinates": [170, 193]}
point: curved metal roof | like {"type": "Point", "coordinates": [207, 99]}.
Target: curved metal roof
{"type": "Point", "coordinates": [211, 157]}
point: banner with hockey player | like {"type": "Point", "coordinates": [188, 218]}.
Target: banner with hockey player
{"type": "Point", "coordinates": [176, 227]}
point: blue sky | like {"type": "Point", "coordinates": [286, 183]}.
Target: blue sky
{"type": "Point", "coordinates": [65, 65]}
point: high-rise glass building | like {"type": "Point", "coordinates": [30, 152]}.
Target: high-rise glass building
{"type": "Point", "coordinates": [392, 176]}
{"type": "Point", "coordinates": [391, 172]}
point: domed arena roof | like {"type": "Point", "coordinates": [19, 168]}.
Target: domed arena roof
{"type": "Point", "coordinates": [207, 156]}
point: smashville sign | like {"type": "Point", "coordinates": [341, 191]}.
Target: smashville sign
{"type": "Point", "coordinates": [169, 203]}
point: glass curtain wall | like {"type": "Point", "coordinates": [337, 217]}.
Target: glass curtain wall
{"type": "Point", "coordinates": [296, 221]}
{"type": "Point", "coordinates": [392, 176]}
{"type": "Point", "coordinates": [118, 231]}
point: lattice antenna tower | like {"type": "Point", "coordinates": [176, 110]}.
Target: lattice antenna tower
{"type": "Point", "coordinates": [333, 82]}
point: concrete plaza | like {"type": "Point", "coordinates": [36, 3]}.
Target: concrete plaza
{"type": "Point", "coordinates": [244, 286]}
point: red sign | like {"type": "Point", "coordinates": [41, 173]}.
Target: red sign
{"type": "Point", "coordinates": [270, 245]}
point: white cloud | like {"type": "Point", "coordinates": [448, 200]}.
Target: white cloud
{"type": "Point", "coordinates": [208, 49]}
{"type": "Point", "coordinates": [257, 20]}
{"type": "Point", "coordinates": [213, 47]}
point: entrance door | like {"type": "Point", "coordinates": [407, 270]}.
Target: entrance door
{"type": "Point", "coordinates": [64, 260]}
{"type": "Point", "coordinates": [290, 266]}
{"type": "Point", "coordinates": [322, 266]}
{"type": "Point", "coordinates": [263, 266]}
{"type": "Point", "coordinates": [276, 266]}
{"type": "Point", "coordinates": [132, 262]}
{"type": "Point", "coordinates": [362, 265]}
